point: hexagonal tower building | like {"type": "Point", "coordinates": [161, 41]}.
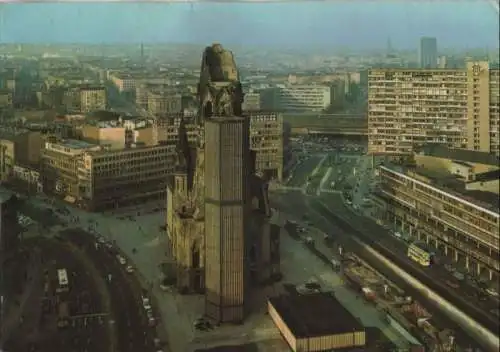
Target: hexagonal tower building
{"type": "Point", "coordinates": [227, 167]}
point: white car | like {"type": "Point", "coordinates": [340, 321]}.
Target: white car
{"type": "Point", "coordinates": [129, 269]}
{"type": "Point", "coordinates": [121, 259]}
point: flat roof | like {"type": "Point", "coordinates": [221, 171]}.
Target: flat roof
{"type": "Point", "coordinates": [456, 155]}
{"type": "Point", "coordinates": [76, 144]}
{"type": "Point", "coordinates": [314, 314]}
{"type": "Point", "coordinates": [452, 186]}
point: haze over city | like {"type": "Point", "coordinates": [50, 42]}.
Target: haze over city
{"type": "Point", "coordinates": [354, 24]}
{"type": "Point", "coordinates": [225, 177]}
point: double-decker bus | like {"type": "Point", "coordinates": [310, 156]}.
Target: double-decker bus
{"type": "Point", "coordinates": [421, 253]}
{"type": "Point", "coordinates": [62, 278]}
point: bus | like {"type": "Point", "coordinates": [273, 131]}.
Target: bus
{"type": "Point", "coordinates": [62, 277]}
{"type": "Point", "coordinates": [421, 253]}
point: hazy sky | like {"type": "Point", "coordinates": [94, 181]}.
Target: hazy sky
{"type": "Point", "coordinates": [356, 24]}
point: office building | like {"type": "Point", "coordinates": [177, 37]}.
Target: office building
{"type": "Point", "coordinates": [251, 102]}
{"type": "Point", "coordinates": [266, 138]}
{"type": "Point", "coordinates": [23, 146]}
{"type": "Point", "coordinates": [298, 98]}
{"type": "Point", "coordinates": [412, 107]}
{"type": "Point", "coordinates": [96, 177]}
{"type": "Point", "coordinates": [5, 99]}
{"type": "Point", "coordinates": [267, 141]}
{"type": "Point", "coordinates": [449, 199]}
{"type": "Point", "coordinates": [163, 102]}
{"type": "Point", "coordinates": [92, 98]}
{"type": "Point", "coordinates": [60, 166]}
{"type": "Point", "coordinates": [427, 53]}
{"type": "Point", "coordinates": [109, 179]}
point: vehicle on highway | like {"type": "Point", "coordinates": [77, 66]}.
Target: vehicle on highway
{"type": "Point", "coordinates": [419, 252]}
{"type": "Point", "coordinates": [62, 280]}
{"type": "Point", "coordinates": [129, 269]}
{"type": "Point", "coordinates": [121, 260]}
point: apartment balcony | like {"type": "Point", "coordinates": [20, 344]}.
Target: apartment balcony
{"type": "Point", "coordinates": [422, 221]}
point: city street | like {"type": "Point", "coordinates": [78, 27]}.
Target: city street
{"type": "Point", "coordinates": [300, 265]}
{"type": "Point", "coordinates": [303, 170]}
{"type": "Point", "coordinates": [325, 211]}
{"type": "Point", "coordinates": [39, 314]}
{"type": "Point", "coordinates": [135, 234]}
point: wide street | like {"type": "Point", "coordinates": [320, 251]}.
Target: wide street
{"type": "Point", "coordinates": [35, 326]}
{"type": "Point", "coordinates": [134, 236]}
{"type": "Point", "coordinates": [326, 210]}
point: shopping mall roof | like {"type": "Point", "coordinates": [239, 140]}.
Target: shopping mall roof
{"type": "Point", "coordinates": [314, 314]}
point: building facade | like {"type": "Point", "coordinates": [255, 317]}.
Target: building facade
{"type": "Point", "coordinates": [267, 141]}
{"type": "Point", "coordinates": [267, 138]}
{"type": "Point", "coordinates": [60, 160]}
{"type": "Point", "coordinates": [92, 98]}
{"type": "Point", "coordinates": [6, 99]}
{"type": "Point", "coordinates": [413, 107]}
{"type": "Point", "coordinates": [307, 97]}
{"type": "Point", "coordinates": [221, 240]}
{"type": "Point", "coordinates": [110, 179]}
{"type": "Point", "coordinates": [427, 52]}
{"type": "Point", "coordinates": [163, 103]}
{"type": "Point", "coordinates": [251, 102]}
{"type": "Point", "coordinates": [227, 156]}
{"type": "Point", "coordinates": [461, 222]}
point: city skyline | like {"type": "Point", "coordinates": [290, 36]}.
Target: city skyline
{"type": "Point", "coordinates": [333, 24]}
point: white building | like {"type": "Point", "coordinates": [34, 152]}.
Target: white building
{"type": "Point", "coordinates": [309, 97]}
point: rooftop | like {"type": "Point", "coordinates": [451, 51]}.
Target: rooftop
{"type": "Point", "coordinates": [463, 155]}
{"type": "Point", "coordinates": [76, 144]}
{"type": "Point", "coordinates": [103, 115]}
{"type": "Point", "coordinates": [314, 314]}
{"type": "Point", "coordinates": [451, 184]}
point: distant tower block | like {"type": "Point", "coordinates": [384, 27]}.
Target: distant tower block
{"type": "Point", "coordinates": [226, 178]}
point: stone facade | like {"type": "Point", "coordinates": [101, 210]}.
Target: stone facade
{"type": "Point", "coordinates": [220, 97]}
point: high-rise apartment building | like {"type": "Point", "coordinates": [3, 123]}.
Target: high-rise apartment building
{"type": "Point", "coordinates": [226, 177]}
{"type": "Point", "coordinates": [427, 53]}
{"type": "Point", "coordinates": [455, 107]}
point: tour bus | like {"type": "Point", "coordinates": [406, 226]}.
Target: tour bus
{"type": "Point", "coordinates": [419, 252]}
{"type": "Point", "coordinates": [62, 277]}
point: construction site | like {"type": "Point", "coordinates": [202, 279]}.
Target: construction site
{"type": "Point", "coordinates": [413, 320]}
{"type": "Point", "coordinates": [402, 312]}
